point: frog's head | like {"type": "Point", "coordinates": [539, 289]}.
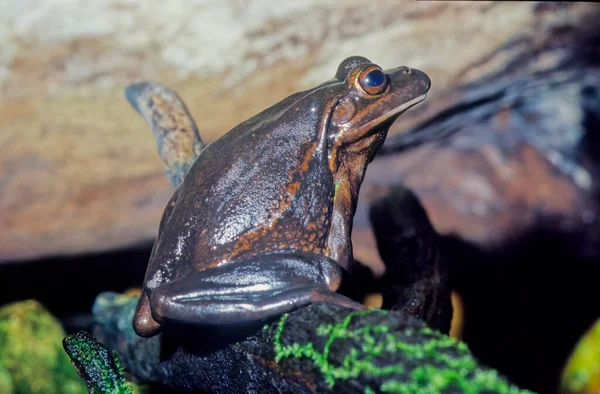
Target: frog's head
{"type": "Point", "coordinates": [358, 106]}
{"type": "Point", "coordinates": [373, 99]}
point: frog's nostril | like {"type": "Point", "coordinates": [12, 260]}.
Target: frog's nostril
{"type": "Point", "coordinates": [407, 70]}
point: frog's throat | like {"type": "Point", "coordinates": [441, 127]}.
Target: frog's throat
{"type": "Point", "coordinates": [347, 179]}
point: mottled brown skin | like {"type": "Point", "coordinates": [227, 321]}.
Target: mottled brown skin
{"type": "Point", "coordinates": [261, 223]}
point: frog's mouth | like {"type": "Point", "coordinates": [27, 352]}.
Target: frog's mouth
{"type": "Point", "coordinates": [386, 119]}
{"type": "Point", "coordinates": [394, 113]}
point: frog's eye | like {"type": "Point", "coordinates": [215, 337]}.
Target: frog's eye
{"type": "Point", "coordinates": [373, 80]}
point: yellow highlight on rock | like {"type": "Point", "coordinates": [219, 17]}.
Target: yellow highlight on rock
{"type": "Point", "coordinates": [581, 374]}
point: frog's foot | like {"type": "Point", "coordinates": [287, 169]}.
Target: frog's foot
{"type": "Point", "coordinates": [143, 323]}
{"type": "Point", "coordinates": [249, 290]}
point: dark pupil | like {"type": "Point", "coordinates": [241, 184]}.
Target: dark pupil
{"type": "Point", "coordinates": [375, 78]}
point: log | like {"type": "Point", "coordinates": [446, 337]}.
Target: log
{"type": "Point", "coordinates": [322, 348]}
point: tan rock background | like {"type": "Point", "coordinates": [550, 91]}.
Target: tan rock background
{"type": "Point", "coordinates": [79, 170]}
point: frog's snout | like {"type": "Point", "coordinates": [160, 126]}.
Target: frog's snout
{"type": "Point", "coordinates": [410, 82]}
{"type": "Point", "coordinates": [424, 80]}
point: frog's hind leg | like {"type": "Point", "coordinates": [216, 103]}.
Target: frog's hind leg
{"type": "Point", "coordinates": [249, 290]}
{"type": "Point", "coordinates": [174, 129]}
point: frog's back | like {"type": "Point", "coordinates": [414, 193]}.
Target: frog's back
{"type": "Point", "coordinates": [259, 188]}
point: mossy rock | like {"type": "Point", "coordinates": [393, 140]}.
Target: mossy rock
{"type": "Point", "coordinates": [385, 354]}
{"type": "Point", "coordinates": [100, 368]}
{"type": "Point", "coordinates": [32, 359]}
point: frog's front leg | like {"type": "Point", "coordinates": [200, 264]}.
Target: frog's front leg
{"type": "Point", "coordinates": [249, 290]}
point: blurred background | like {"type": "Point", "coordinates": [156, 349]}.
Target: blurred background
{"type": "Point", "coordinates": [503, 154]}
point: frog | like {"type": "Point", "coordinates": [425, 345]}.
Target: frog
{"type": "Point", "coordinates": [260, 224]}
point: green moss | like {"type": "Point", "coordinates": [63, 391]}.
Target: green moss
{"type": "Point", "coordinates": [430, 379]}
{"type": "Point", "coordinates": [432, 364]}
{"type": "Point", "coordinates": [31, 353]}
{"type": "Point", "coordinates": [100, 368]}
